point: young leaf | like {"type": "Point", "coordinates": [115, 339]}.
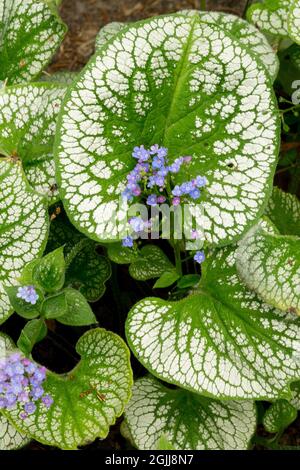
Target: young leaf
{"type": "Point", "coordinates": [28, 116]}
{"type": "Point", "coordinates": [88, 399]}
{"type": "Point", "coordinates": [30, 33]}
{"type": "Point", "coordinates": [269, 264]}
{"type": "Point", "coordinates": [24, 228]}
{"type": "Point", "coordinates": [122, 255]}
{"type": "Point", "coordinates": [151, 263]}
{"type": "Point", "coordinates": [284, 211]}
{"type": "Point", "coordinates": [79, 313]}
{"type": "Point", "coordinates": [86, 270]}
{"type": "Point", "coordinates": [189, 280]}
{"type": "Point", "coordinates": [23, 308]}
{"type": "Point", "coordinates": [33, 332]}
{"type": "Point", "coordinates": [187, 420]}
{"type": "Point", "coordinates": [107, 32]}
{"type": "Point", "coordinates": [10, 438]}
{"type": "Point", "coordinates": [55, 306]}
{"type": "Point", "coordinates": [49, 272]}
{"type": "Point", "coordinates": [170, 80]}
{"type": "Point", "coordinates": [279, 416]}
{"type": "Point", "coordinates": [166, 279]}
{"type": "Point", "coordinates": [222, 341]}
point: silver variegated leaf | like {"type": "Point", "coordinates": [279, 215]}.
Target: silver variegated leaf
{"type": "Point", "coordinates": [269, 264]}
{"type": "Point", "coordinates": [30, 33]}
{"type": "Point", "coordinates": [183, 83]}
{"type": "Point", "coordinates": [188, 421]}
{"type": "Point", "coordinates": [24, 227]}
{"type": "Point", "coordinates": [107, 32]}
{"type": "Point", "coordinates": [279, 416]}
{"type": "Point", "coordinates": [28, 115]}
{"type": "Point", "coordinates": [222, 341]}
{"type": "Point", "coordinates": [88, 399]}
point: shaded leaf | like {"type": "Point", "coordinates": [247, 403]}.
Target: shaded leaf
{"type": "Point", "coordinates": [284, 211]}
{"type": "Point", "coordinates": [279, 416]}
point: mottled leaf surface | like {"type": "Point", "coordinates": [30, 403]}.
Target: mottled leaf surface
{"type": "Point", "coordinates": [189, 86]}
{"type": "Point", "coordinates": [188, 421]}
{"type": "Point", "coordinates": [88, 399]}
{"type": "Point", "coordinates": [28, 115]}
{"type": "Point", "coordinates": [269, 264]}
{"type": "Point", "coordinates": [30, 33]}
{"type": "Point", "coordinates": [284, 211]}
{"type": "Point", "coordinates": [23, 227]}
{"type": "Point", "coordinates": [107, 32]}
{"type": "Point", "coordinates": [222, 341]}
{"type": "Point", "coordinates": [278, 17]}
{"type": "Point", "coordinates": [279, 416]}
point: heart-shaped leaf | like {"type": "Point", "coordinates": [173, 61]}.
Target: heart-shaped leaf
{"type": "Point", "coordinates": [222, 341]}
{"type": "Point", "coordinates": [188, 421]}
{"type": "Point", "coordinates": [30, 32]}
{"type": "Point", "coordinates": [87, 270]}
{"type": "Point", "coordinates": [88, 399]}
{"type": "Point", "coordinates": [184, 84]}
{"type": "Point", "coordinates": [10, 438]}
{"type": "Point", "coordinates": [284, 211]}
{"type": "Point", "coordinates": [269, 264]}
{"type": "Point", "coordinates": [277, 17]}
{"type": "Point", "coordinates": [107, 32]}
{"type": "Point", "coordinates": [28, 116]}
{"type": "Point", "coordinates": [279, 416]}
{"type": "Point", "coordinates": [24, 228]}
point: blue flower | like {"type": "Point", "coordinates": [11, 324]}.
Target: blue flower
{"type": "Point", "coordinates": [140, 153]}
{"type": "Point", "coordinates": [200, 181]}
{"type": "Point", "coordinates": [152, 200]}
{"type": "Point", "coordinates": [199, 257]}
{"type": "Point", "coordinates": [137, 224]}
{"type": "Point", "coordinates": [158, 163]}
{"type": "Point", "coordinates": [177, 191]}
{"type": "Point", "coordinates": [187, 187]}
{"type": "Point", "coordinates": [195, 193]}
{"type": "Point", "coordinates": [127, 242]}
{"type": "Point", "coordinates": [28, 293]}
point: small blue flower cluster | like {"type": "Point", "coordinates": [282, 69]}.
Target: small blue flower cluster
{"type": "Point", "coordinates": [28, 294]}
{"type": "Point", "coordinates": [199, 257]}
{"type": "Point", "coordinates": [21, 383]}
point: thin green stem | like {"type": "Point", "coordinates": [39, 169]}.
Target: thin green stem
{"type": "Point", "coordinates": [177, 258]}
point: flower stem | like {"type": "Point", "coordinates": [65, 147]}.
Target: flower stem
{"type": "Point", "coordinates": [203, 5]}
{"type": "Point", "coordinates": [177, 258]}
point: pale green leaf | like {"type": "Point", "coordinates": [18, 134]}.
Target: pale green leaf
{"type": "Point", "coordinates": [270, 16]}
{"type": "Point", "coordinates": [188, 421]}
{"type": "Point", "coordinates": [279, 416]}
{"type": "Point", "coordinates": [166, 279]}
{"type": "Point", "coordinates": [23, 228]}
{"type": "Point", "coordinates": [33, 332]}
{"type": "Point", "coordinates": [284, 211]}
{"type": "Point", "coordinates": [184, 84]}
{"type": "Point", "coordinates": [28, 115]}
{"type": "Point", "coordinates": [88, 399]}
{"type": "Point", "coordinates": [64, 77]}
{"type": "Point", "coordinates": [222, 341]}
{"type": "Point", "coordinates": [30, 33]}
{"type": "Point", "coordinates": [79, 313]}
{"type": "Point", "coordinates": [10, 438]}
{"type": "Point", "coordinates": [49, 272]}
{"type": "Point", "coordinates": [269, 264]}
{"type": "Point", "coordinates": [107, 32]}
{"type": "Point", "coordinates": [295, 401]}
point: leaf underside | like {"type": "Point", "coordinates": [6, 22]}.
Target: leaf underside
{"type": "Point", "coordinates": [30, 33]}
{"type": "Point", "coordinates": [24, 228]}
{"type": "Point", "coordinates": [88, 399]}
{"type": "Point", "coordinates": [189, 86]}
{"type": "Point", "coordinates": [222, 341]}
{"type": "Point", "coordinates": [188, 421]}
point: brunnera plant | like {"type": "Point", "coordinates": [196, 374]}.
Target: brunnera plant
{"type": "Point", "coordinates": [178, 110]}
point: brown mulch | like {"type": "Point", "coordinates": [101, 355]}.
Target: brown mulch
{"type": "Point", "coordinates": [85, 17]}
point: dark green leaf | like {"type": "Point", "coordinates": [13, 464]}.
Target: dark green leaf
{"type": "Point", "coordinates": [49, 272]}
{"type": "Point", "coordinates": [79, 312]}
{"type": "Point", "coordinates": [33, 332]}
{"type": "Point", "coordinates": [23, 308]}
{"type": "Point", "coordinates": [55, 306]}
{"type": "Point", "coordinates": [189, 280]}
{"type": "Point", "coordinates": [166, 279]}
